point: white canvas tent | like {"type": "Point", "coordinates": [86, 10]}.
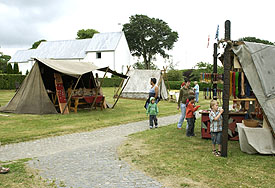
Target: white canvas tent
{"type": "Point", "coordinates": [257, 61]}
{"type": "Point", "coordinates": [138, 85]}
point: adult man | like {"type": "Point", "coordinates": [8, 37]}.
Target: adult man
{"type": "Point", "coordinates": [183, 97]}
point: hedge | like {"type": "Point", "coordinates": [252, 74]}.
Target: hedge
{"type": "Point", "coordinates": [10, 81]}
{"type": "Point", "coordinates": [111, 82]}
{"type": "Point", "coordinates": [176, 85]}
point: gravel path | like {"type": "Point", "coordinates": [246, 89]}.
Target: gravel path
{"type": "Point", "coordinates": [85, 160]}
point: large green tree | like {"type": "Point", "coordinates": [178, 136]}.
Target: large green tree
{"type": "Point", "coordinates": [37, 43]}
{"type": "Point", "coordinates": [84, 34]}
{"type": "Point", "coordinates": [148, 37]}
{"type": "Point", "coordinates": [254, 39]}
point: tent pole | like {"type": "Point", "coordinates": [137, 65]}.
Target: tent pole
{"type": "Point", "coordinates": [99, 88]}
{"type": "Point", "coordinates": [120, 85]}
{"type": "Point", "coordinates": [71, 94]}
{"type": "Point", "coordinates": [120, 92]}
{"type": "Point", "coordinates": [215, 71]}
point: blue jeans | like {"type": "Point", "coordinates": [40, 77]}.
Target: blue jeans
{"type": "Point", "coordinates": [182, 117]}
{"type": "Point", "coordinates": [197, 96]}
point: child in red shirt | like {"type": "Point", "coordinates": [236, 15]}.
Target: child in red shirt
{"type": "Point", "coordinates": [190, 109]}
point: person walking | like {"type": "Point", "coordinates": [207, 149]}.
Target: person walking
{"type": "Point", "coordinates": [153, 111]}
{"type": "Point", "coordinates": [183, 99]}
{"type": "Point", "coordinates": [196, 91]}
{"type": "Point", "coordinates": [153, 92]}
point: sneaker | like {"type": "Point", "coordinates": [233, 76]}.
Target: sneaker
{"type": "Point", "coordinates": [151, 127]}
{"type": "Point", "coordinates": [156, 126]}
{"type": "Point", "coordinates": [179, 128]}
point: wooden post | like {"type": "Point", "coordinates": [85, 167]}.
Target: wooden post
{"type": "Point", "coordinates": [227, 66]}
{"type": "Point", "coordinates": [71, 94]}
{"type": "Point", "coordinates": [215, 71]}
{"type": "Point", "coordinates": [120, 93]}
{"type": "Point", "coordinates": [120, 85]}
{"type": "Point", "coordinates": [98, 88]}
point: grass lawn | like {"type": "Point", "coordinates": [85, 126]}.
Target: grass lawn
{"type": "Point", "coordinates": [22, 177]}
{"type": "Point", "coordinates": [179, 161]}
{"type": "Point", "coordinates": [23, 127]}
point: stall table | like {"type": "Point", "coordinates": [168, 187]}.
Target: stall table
{"type": "Point", "coordinates": [234, 118]}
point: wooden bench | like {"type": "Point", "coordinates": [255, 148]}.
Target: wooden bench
{"type": "Point", "coordinates": [77, 100]}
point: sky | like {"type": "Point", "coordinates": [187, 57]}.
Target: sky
{"type": "Point", "coordinates": [23, 22]}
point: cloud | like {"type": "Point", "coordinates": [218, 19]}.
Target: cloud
{"type": "Point", "coordinates": [20, 21]}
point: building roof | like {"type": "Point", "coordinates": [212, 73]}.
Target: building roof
{"type": "Point", "coordinates": [70, 49]}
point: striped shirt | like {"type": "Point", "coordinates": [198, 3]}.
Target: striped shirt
{"type": "Point", "coordinates": [215, 126]}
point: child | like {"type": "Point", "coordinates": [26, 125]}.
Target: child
{"type": "Point", "coordinates": [153, 111]}
{"type": "Point", "coordinates": [190, 109]}
{"type": "Point", "coordinates": [216, 126]}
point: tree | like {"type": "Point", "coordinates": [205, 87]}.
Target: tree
{"type": "Point", "coordinates": [3, 62]}
{"type": "Point", "coordinates": [147, 37]}
{"type": "Point", "coordinates": [15, 68]}
{"type": "Point", "coordinates": [254, 39]}
{"type": "Point", "coordinates": [37, 43]}
{"type": "Point", "coordinates": [9, 69]}
{"type": "Point", "coordinates": [84, 34]}
{"type": "Point", "coordinates": [142, 65]}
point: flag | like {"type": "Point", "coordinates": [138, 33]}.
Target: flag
{"type": "Point", "coordinates": [208, 41]}
{"type": "Point", "coordinates": [217, 34]}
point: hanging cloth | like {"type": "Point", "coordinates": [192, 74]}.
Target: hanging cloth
{"type": "Point", "coordinates": [247, 87]}
{"type": "Point", "coordinates": [239, 85]}
{"type": "Point", "coordinates": [234, 85]}
{"type": "Point", "coordinates": [242, 83]}
{"type": "Point", "coordinates": [230, 84]}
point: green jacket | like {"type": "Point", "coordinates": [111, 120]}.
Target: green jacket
{"type": "Point", "coordinates": [184, 94]}
{"type": "Point", "coordinates": [152, 109]}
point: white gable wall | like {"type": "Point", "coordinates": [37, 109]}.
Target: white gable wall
{"type": "Point", "coordinates": [24, 66]}
{"type": "Point", "coordinates": [106, 60]}
{"type": "Point", "coordinates": [122, 55]}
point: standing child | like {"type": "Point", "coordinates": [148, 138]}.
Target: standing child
{"type": "Point", "coordinates": [153, 111]}
{"type": "Point", "coordinates": [190, 109]}
{"type": "Point", "coordinates": [215, 117]}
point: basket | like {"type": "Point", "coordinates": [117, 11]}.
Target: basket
{"type": "Point", "coordinates": [250, 122]}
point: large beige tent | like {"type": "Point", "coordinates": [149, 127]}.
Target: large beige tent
{"type": "Point", "coordinates": [257, 61]}
{"type": "Point", "coordinates": [138, 85]}
{"type": "Point", "coordinates": [33, 98]}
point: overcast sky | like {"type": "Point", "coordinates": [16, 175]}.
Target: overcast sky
{"type": "Point", "coordinates": [22, 22]}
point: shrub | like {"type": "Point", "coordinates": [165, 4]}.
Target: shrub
{"type": "Point", "coordinates": [9, 81]}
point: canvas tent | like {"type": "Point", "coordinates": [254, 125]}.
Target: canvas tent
{"type": "Point", "coordinates": [32, 97]}
{"type": "Point", "coordinates": [257, 61]}
{"type": "Point", "coordinates": [138, 85]}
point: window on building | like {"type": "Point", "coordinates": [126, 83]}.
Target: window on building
{"type": "Point", "coordinates": [98, 55]}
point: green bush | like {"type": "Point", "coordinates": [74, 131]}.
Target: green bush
{"type": "Point", "coordinates": [9, 81]}
{"type": "Point", "coordinates": [111, 82]}
{"type": "Point", "coordinates": [174, 75]}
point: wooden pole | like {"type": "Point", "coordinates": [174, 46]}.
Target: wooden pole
{"type": "Point", "coordinates": [71, 95]}
{"type": "Point", "coordinates": [120, 93]}
{"type": "Point", "coordinates": [227, 66]}
{"type": "Point", "coordinates": [215, 71]}
{"type": "Point", "coordinates": [98, 88]}
{"type": "Point", "coordinates": [120, 85]}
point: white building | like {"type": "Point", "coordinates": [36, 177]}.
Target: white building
{"type": "Point", "coordinates": [104, 49]}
